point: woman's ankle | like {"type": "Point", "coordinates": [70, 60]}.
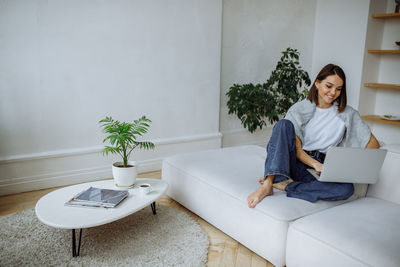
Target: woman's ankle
{"type": "Point", "coordinates": [269, 179]}
{"type": "Point", "coordinates": [282, 185]}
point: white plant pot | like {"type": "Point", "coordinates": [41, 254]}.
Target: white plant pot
{"type": "Point", "coordinates": [124, 177]}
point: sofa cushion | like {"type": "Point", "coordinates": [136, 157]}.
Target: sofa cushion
{"type": "Point", "coordinates": [358, 233]}
{"type": "Point", "coordinates": [388, 185]}
{"type": "Point", "coordinates": [235, 171]}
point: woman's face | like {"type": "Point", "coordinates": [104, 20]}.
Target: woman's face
{"type": "Point", "coordinates": [328, 90]}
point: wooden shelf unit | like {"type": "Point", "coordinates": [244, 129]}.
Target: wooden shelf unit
{"type": "Point", "coordinates": [386, 16]}
{"type": "Point", "coordinates": [383, 85]}
{"type": "Point", "coordinates": [381, 51]}
{"type": "Point", "coordinates": [376, 118]}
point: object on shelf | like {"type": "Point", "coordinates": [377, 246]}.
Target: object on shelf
{"type": "Point", "coordinates": [398, 43]}
{"type": "Point", "coordinates": [397, 10]}
{"type": "Point", "coordinates": [390, 117]}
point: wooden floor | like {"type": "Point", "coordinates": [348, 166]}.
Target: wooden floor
{"type": "Point", "coordinates": [223, 250]}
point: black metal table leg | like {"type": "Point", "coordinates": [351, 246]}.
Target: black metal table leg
{"type": "Point", "coordinates": [153, 208]}
{"type": "Point", "coordinates": [75, 250]}
{"type": "Point", "coordinates": [73, 243]}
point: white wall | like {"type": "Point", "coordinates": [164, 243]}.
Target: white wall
{"type": "Point", "coordinates": [254, 33]}
{"type": "Point", "coordinates": [339, 38]}
{"type": "Point", "coordinates": [64, 65]}
{"type": "Point", "coordinates": [367, 97]}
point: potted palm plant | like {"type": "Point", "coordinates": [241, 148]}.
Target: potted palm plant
{"type": "Point", "coordinates": [122, 138]}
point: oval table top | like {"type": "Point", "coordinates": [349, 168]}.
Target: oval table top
{"type": "Point", "coordinates": [51, 209]}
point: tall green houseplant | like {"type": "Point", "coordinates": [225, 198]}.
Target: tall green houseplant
{"type": "Point", "coordinates": [254, 103]}
{"type": "Point", "coordinates": [122, 136]}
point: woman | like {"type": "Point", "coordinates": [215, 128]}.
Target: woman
{"type": "Point", "coordinates": [301, 139]}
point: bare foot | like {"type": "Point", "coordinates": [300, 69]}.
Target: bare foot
{"type": "Point", "coordinates": [282, 185]}
{"type": "Point", "coordinates": [254, 198]}
{"type": "Point", "coordinates": [261, 180]}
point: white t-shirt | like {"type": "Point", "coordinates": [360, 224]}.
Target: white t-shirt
{"type": "Point", "coordinates": [325, 129]}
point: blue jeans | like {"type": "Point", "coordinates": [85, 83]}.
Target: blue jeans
{"type": "Point", "coordinates": [282, 162]}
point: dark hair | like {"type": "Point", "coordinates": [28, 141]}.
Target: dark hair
{"type": "Point", "coordinates": [326, 71]}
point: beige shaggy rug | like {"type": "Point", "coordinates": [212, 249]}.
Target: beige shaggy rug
{"type": "Point", "coordinates": [170, 238]}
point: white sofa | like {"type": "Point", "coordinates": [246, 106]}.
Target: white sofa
{"type": "Point", "coordinates": [360, 231]}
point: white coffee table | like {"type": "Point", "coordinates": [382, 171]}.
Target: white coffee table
{"type": "Point", "coordinates": [50, 209]}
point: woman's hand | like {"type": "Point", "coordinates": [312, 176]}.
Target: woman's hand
{"type": "Point", "coordinates": [318, 166]}
{"type": "Point", "coordinates": [305, 158]}
{"type": "Point", "coordinates": [373, 143]}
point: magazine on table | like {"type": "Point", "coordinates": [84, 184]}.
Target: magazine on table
{"type": "Point", "coordinates": [98, 198]}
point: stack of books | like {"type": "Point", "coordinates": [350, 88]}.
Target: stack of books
{"type": "Point", "coordinates": [98, 198]}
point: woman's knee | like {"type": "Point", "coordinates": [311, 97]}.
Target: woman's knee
{"type": "Point", "coordinates": [283, 132]}
{"type": "Point", "coordinates": [284, 125]}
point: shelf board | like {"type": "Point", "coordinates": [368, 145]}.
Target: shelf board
{"type": "Point", "coordinates": [386, 16]}
{"type": "Point", "coordinates": [383, 85]}
{"type": "Point", "coordinates": [376, 118]}
{"type": "Point", "coordinates": [380, 51]}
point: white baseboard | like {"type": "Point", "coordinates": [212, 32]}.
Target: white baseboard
{"type": "Point", "coordinates": [30, 172]}
{"type": "Point", "coordinates": [242, 136]}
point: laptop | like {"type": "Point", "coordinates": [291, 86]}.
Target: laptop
{"type": "Point", "coordinates": [351, 165]}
